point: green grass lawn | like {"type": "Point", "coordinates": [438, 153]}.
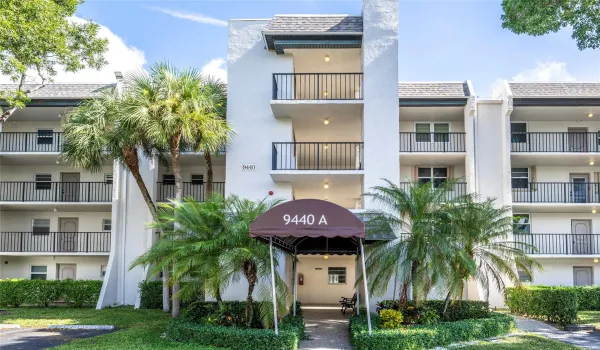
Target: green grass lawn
{"type": "Point", "coordinates": [589, 317]}
{"type": "Point", "coordinates": [525, 341]}
{"type": "Point", "coordinates": [137, 329]}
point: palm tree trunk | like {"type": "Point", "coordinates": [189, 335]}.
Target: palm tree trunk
{"type": "Point", "coordinates": [218, 295]}
{"type": "Point", "coordinates": [403, 301]}
{"type": "Point", "coordinates": [446, 303]}
{"type": "Point", "coordinates": [250, 274]}
{"type": "Point", "coordinates": [209, 174]}
{"type": "Point", "coordinates": [413, 274]}
{"type": "Point", "coordinates": [178, 194]}
{"type": "Point", "coordinates": [131, 160]}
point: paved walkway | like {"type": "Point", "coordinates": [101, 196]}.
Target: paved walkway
{"type": "Point", "coordinates": [326, 327]}
{"type": "Point", "coordinates": [41, 338]}
{"type": "Point", "coordinates": [587, 340]}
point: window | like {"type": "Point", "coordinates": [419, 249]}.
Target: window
{"type": "Point", "coordinates": [521, 223]}
{"type": "Point", "coordinates": [197, 179]}
{"type": "Point", "coordinates": [41, 226]}
{"type": "Point", "coordinates": [168, 179]}
{"type": "Point", "coordinates": [524, 276]}
{"type": "Point", "coordinates": [44, 137]}
{"type": "Point", "coordinates": [337, 275]}
{"type": "Point", "coordinates": [106, 224]}
{"type": "Point", "coordinates": [520, 178]}
{"type": "Point", "coordinates": [43, 181]}
{"type": "Point", "coordinates": [39, 272]}
{"type": "Point", "coordinates": [437, 176]}
{"type": "Point", "coordinates": [108, 179]}
{"type": "Point", "coordinates": [518, 132]}
{"type": "Point", "coordinates": [440, 132]}
{"type": "Point", "coordinates": [102, 271]}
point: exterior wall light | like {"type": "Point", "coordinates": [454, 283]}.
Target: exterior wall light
{"type": "Point", "coordinates": [596, 260]}
{"type": "Point", "coordinates": [325, 93]}
{"type": "Point", "coordinates": [326, 121]}
{"type": "Point", "coordinates": [590, 115]}
{"type": "Point", "coordinates": [592, 162]}
{"type": "Point", "coordinates": [326, 256]}
{"type": "Point", "coordinates": [326, 186]}
{"type": "Point", "coordinates": [593, 211]}
{"type": "Point", "coordinates": [326, 58]}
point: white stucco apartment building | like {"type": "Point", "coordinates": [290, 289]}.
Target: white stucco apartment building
{"type": "Point", "coordinates": [319, 113]}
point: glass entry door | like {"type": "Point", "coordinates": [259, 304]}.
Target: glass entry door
{"type": "Point", "coordinates": [579, 188]}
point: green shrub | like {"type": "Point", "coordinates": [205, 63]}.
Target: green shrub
{"type": "Point", "coordinates": [151, 294]}
{"type": "Point", "coordinates": [428, 317]}
{"type": "Point", "coordinates": [213, 313]}
{"type": "Point", "coordinates": [457, 309]}
{"type": "Point", "coordinates": [588, 298]}
{"type": "Point", "coordinates": [552, 304]}
{"type": "Point", "coordinates": [16, 292]}
{"type": "Point", "coordinates": [391, 319]}
{"type": "Point", "coordinates": [426, 336]}
{"type": "Point", "coordinates": [298, 308]}
{"type": "Point", "coordinates": [290, 332]}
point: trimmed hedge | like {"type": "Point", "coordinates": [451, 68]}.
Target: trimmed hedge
{"type": "Point", "coordinates": [551, 304]}
{"type": "Point", "coordinates": [291, 331]}
{"type": "Point", "coordinates": [426, 336]}
{"type": "Point", "coordinates": [457, 309]}
{"type": "Point", "coordinates": [199, 311]}
{"type": "Point", "coordinates": [151, 294]}
{"type": "Point", "coordinates": [588, 298]}
{"type": "Point", "coordinates": [79, 293]}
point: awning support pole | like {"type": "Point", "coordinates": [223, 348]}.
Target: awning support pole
{"type": "Point", "coordinates": [357, 285]}
{"type": "Point", "coordinates": [362, 254]}
{"type": "Point", "coordinates": [295, 288]}
{"type": "Point", "coordinates": [273, 288]}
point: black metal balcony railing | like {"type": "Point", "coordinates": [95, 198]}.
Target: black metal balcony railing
{"type": "Point", "coordinates": [583, 142]}
{"type": "Point", "coordinates": [317, 86]}
{"type": "Point", "coordinates": [197, 191]}
{"type": "Point", "coordinates": [432, 142]}
{"type": "Point", "coordinates": [558, 192]}
{"type": "Point", "coordinates": [30, 141]}
{"type": "Point", "coordinates": [317, 156]}
{"type": "Point", "coordinates": [50, 242]}
{"type": "Point", "coordinates": [560, 243]}
{"type": "Point", "coordinates": [458, 189]}
{"type": "Point", "coordinates": [55, 191]}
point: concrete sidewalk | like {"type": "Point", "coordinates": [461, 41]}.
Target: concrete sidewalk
{"type": "Point", "coordinates": [327, 328]}
{"type": "Point", "coordinates": [587, 340]}
{"type": "Point", "coordinates": [42, 338]}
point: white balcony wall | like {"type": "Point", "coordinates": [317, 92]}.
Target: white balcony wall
{"type": "Point", "coordinates": [188, 171]}
{"type": "Point", "coordinates": [560, 126]}
{"type": "Point", "coordinates": [27, 173]}
{"type": "Point", "coordinates": [409, 125]}
{"type": "Point", "coordinates": [21, 221]}
{"type": "Point", "coordinates": [316, 288]}
{"type": "Point", "coordinates": [31, 126]}
{"type": "Point", "coordinates": [559, 272]}
{"type": "Point", "coordinates": [88, 267]}
{"type": "Point", "coordinates": [408, 173]}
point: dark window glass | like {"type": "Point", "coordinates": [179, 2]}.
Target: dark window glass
{"type": "Point", "coordinates": [518, 132]}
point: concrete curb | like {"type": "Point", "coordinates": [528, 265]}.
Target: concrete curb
{"type": "Point", "coordinates": [82, 326]}
{"type": "Point", "coordinates": [9, 326]}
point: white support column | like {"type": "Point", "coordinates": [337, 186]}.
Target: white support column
{"type": "Point", "coordinates": [295, 288]}
{"type": "Point", "coordinates": [362, 254]}
{"type": "Point", "coordinates": [273, 287]}
{"type": "Point", "coordinates": [357, 285]}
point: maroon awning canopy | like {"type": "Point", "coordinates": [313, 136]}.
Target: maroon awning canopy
{"type": "Point", "coordinates": [310, 226]}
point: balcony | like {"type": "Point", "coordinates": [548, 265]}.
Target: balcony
{"type": "Point", "coordinates": [448, 142]}
{"type": "Point", "coordinates": [64, 192]}
{"type": "Point", "coordinates": [30, 142]}
{"type": "Point", "coordinates": [560, 243]}
{"type": "Point", "coordinates": [54, 242]}
{"type": "Point", "coordinates": [558, 192]}
{"type": "Point", "coordinates": [317, 86]}
{"type": "Point", "coordinates": [459, 189]}
{"type": "Point", "coordinates": [555, 142]}
{"type": "Point", "coordinates": [317, 156]}
{"type": "Point", "coordinates": [197, 191]}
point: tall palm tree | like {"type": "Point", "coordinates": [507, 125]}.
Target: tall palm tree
{"type": "Point", "coordinates": [98, 132]}
{"type": "Point", "coordinates": [483, 232]}
{"type": "Point", "coordinates": [418, 254]}
{"type": "Point", "coordinates": [193, 247]}
{"type": "Point", "coordinates": [250, 258]}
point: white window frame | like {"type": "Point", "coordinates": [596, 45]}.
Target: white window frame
{"type": "Point", "coordinates": [102, 271]}
{"type": "Point", "coordinates": [104, 223]}
{"type": "Point", "coordinates": [523, 215]}
{"type": "Point", "coordinates": [31, 273]}
{"type": "Point", "coordinates": [528, 178]}
{"type": "Point", "coordinates": [40, 233]}
{"type": "Point", "coordinates": [521, 275]}
{"type": "Point", "coordinates": [432, 177]}
{"type": "Point", "coordinates": [526, 130]}
{"type": "Point", "coordinates": [432, 131]}
{"type": "Point", "coordinates": [336, 276]}
{"type": "Point", "coordinates": [44, 182]}
{"type": "Point", "coordinates": [108, 178]}
{"type": "Point", "coordinates": [37, 136]}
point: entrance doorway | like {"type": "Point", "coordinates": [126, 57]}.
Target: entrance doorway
{"type": "Point", "coordinates": [70, 187]}
{"type": "Point", "coordinates": [67, 271]}
{"type": "Point", "coordinates": [583, 276]}
{"type": "Point", "coordinates": [577, 139]}
{"type": "Point", "coordinates": [579, 188]}
{"type": "Point", "coordinates": [325, 281]}
{"type": "Point", "coordinates": [581, 236]}
{"type": "Point", "coordinates": [67, 240]}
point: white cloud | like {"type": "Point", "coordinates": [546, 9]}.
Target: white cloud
{"type": "Point", "coordinates": [545, 71]}
{"type": "Point", "coordinates": [196, 17]}
{"type": "Point", "coordinates": [216, 68]}
{"type": "Point", "coordinates": [119, 55]}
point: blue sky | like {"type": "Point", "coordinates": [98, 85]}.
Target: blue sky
{"type": "Point", "coordinates": [438, 40]}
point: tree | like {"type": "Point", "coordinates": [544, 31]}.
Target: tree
{"type": "Point", "coordinates": [193, 247]}
{"type": "Point", "coordinates": [37, 38]}
{"type": "Point", "coordinates": [99, 132]}
{"type": "Point", "coordinates": [418, 255]}
{"type": "Point", "coordinates": [549, 16]}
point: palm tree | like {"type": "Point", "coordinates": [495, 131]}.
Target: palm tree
{"type": "Point", "coordinates": [482, 230]}
{"type": "Point", "coordinates": [418, 256]}
{"type": "Point", "coordinates": [193, 247]}
{"type": "Point", "coordinates": [98, 132]}
{"type": "Point", "coordinates": [250, 258]}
